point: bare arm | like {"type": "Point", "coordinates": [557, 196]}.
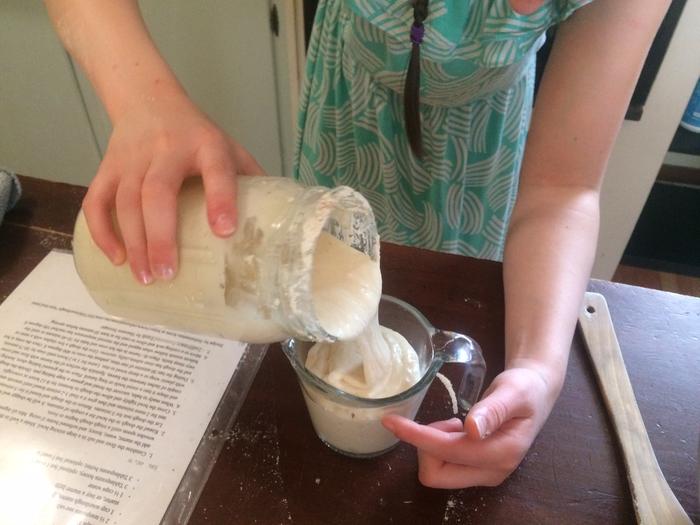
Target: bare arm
{"type": "Point", "coordinates": [111, 43]}
{"type": "Point", "coordinates": [590, 76]}
{"type": "Point", "coordinates": [159, 137]}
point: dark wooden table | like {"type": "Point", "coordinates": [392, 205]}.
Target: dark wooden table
{"type": "Point", "coordinates": [273, 469]}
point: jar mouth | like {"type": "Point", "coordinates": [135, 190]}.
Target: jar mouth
{"type": "Point", "coordinates": [322, 216]}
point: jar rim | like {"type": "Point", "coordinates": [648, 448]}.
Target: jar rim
{"type": "Point", "coordinates": [342, 212]}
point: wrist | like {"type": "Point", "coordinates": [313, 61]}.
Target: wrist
{"type": "Point", "coordinates": [142, 90]}
{"type": "Point", "coordinates": [552, 375]}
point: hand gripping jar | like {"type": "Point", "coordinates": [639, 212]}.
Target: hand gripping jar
{"type": "Point", "coordinates": [304, 262]}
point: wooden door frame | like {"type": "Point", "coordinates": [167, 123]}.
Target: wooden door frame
{"type": "Point", "coordinates": [290, 55]}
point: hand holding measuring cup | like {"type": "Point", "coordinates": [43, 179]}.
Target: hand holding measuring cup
{"type": "Point", "coordinates": [492, 441]}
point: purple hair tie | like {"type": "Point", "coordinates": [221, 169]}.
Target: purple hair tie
{"type": "Point", "coordinates": [417, 33]}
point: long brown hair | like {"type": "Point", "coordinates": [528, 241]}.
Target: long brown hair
{"type": "Point", "coordinates": [411, 97]}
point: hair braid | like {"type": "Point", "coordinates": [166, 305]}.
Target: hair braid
{"type": "Point", "coordinates": [412, 87]}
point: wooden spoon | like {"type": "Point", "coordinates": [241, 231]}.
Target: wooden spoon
{"type": "Point", "coordinates": [654, 502]}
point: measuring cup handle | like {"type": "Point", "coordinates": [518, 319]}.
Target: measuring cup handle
{"type": "Point", "coordinates": [451, 347]}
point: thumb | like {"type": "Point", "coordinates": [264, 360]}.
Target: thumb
{"type": "Point", "coordinates": [504, 402]}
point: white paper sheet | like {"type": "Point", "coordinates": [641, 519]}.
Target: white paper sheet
{"type": "Point", "coordinates": [99, 418]}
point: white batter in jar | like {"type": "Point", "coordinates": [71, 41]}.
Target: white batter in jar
{"type": "Point", "coordinates": [304, 262]}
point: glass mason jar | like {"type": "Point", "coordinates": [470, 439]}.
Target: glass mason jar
{"type": "Point", "coordinates": [256, 286]}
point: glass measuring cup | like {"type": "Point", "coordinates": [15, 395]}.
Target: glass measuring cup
{"type": "Point", "coordinates": [352, 425]}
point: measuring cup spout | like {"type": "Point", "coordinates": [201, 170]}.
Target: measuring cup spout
{"type": "Point", "coordinates": [451, 347]}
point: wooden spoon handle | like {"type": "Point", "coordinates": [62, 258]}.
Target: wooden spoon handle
{"type": "Point", "coordinates": [654, 502]}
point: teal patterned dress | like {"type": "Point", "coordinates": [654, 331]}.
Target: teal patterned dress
{"type": "Point", "coordinates": [477, 76]}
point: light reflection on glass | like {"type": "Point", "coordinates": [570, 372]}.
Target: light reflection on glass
{"type": "Point", "coordinates": [27, 496]}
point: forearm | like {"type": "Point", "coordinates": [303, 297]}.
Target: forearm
{"type": "Point", "coordinates": [548, 258]}
{"type": "Point", "coordinates": [109, 40]}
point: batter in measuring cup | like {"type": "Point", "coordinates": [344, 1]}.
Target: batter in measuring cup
{"type": "Point", "coordinates": [379, 363]}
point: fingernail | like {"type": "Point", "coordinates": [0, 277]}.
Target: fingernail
{"type": "Point", "coordinates": [480, 423]}
{"type": "Point", "coordinates": [224, 224]}
{"type": "Point", "coordinates": [145, 277]}
{"type": "Point", "coordinates": [164, 272]}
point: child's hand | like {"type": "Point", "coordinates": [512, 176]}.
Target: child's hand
{"type": "Point", "coordinates": [493, 440]}
{"type": "Point", "coordinates": [155, 145]}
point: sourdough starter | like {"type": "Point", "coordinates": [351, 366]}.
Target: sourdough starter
{"type": "Point", "coordinates": [379, 363]}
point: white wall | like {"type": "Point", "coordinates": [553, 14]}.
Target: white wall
{"type": "Point", "coordinates": [642, 146]}
{"type": "Point", "coordinates": [44, 128]}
